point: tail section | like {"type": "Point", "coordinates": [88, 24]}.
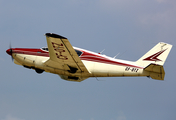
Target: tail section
{"type": "Point", "coordinates": [154, 60]}
{"type": "Point", "coordinates": [157, 55]}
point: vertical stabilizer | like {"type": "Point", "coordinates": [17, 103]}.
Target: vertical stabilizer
{"type": "Point", "coordinates": [157, 55]}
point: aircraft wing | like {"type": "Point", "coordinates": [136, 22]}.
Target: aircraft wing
{"type": "Point", "coordinates": [63, 56]}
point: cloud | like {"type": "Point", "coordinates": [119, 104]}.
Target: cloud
{"type": "Point", "coordinates": [165, 18]}
{"type": "Point", "coordinates": [117, 4]}
{"type": "Point", "coordinates": [159, 12]}
{"type": "Point", "coordinates": [161, 1]}
{"type": "Point", "coordinates": [121, 116]}
{"type": "Point", "coordinates": [9, 117]}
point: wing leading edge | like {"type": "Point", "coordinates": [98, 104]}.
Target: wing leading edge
{"type": "Point", "coordinates": [63, 57]}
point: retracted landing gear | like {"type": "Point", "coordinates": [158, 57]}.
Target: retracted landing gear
{"type": "Point", "coordinates": [39, 71]}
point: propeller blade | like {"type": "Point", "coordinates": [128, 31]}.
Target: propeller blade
{"type": "Point", "coordinates": [10, 51]}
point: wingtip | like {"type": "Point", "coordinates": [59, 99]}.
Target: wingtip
{"type": "Point", "coordinates": [55, 35]}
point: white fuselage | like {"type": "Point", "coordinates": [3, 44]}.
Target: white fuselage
{"type": "Point", "coordinates": [75, 64]}
{"type": "Point", "coordinates": [98, 65]}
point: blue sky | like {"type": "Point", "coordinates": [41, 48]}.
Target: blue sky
{"type": "Point", "coordinates": [128, 27]}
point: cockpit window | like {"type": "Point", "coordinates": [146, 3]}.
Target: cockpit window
{"type": "Point", "coordinates": [45, 48]}
{"type": "Point", "coordinates": [78, 52]}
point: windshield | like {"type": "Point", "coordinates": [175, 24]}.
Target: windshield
{"type": "Point", "coordinates": [78, 52]}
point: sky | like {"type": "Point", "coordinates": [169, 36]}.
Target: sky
{"type": "Point", "coordinates": [128, 27]}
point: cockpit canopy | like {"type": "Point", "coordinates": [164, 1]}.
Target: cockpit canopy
{"type": "Point", "coordinates": [77, 51]}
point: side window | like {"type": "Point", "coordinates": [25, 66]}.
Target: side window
{"type": "Point", "coordinates": [45, 48]}
{"type": "Point", "coordinates": [78, 52]}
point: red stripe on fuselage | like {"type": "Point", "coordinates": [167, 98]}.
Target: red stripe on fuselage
{"type": "Point", "coordinates": [99, 58]}
{"type": "Point", "coordinates": [29, 51]}
{"type": "Point", "coordinates": [85, 56]}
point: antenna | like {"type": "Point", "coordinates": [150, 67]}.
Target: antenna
{"type": "Point", "coordinates": [101, 51]}
{"type": "Point", "coordinates": [116, 55]}
{"type": "Point", "coordinates": [98, 79]}
{"type": "Point", "coordinates": [122, 53]}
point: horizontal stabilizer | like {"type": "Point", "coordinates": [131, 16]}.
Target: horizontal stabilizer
{"type": "Point", "coordinates": [156, 71]}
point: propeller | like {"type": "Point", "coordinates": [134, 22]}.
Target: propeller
{"type": "Point", "coordinates": [10, 51]}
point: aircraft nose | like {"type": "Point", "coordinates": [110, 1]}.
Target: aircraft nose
{"type": "Point", "coordinates": [9, 51]}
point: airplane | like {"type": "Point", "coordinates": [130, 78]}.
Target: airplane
{"type": "Point", "coordinates": [76, 64]}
